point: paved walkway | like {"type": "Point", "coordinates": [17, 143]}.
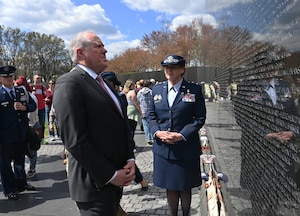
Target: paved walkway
{"type": "Point", "coordinates": [52, 195]}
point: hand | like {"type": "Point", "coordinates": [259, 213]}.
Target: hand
{"type": "Point", "coordinates": [125, 176]}
{"type": "Point", "coordinates": [51, 126]}
{"type": "Point", "coordinates": [169, 137]}
{"type": "Point", "coordinates": [282, 136]}
{"type": "Point", "coordinates": [19, 106]}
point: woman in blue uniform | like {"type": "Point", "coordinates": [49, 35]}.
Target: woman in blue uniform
{"type": "Point", "coordinates": [176, 114]}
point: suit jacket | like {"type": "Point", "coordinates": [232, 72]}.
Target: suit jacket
{"type": "Point", "coordinates": [285, 102]}
{"type": "Point", "coordinates": [13, 124]}
{"type": "Point", "coordinates": [93, 131]}
{"type": "Point", "coordinates": [185, 116]}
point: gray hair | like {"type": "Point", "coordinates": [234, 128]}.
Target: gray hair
{"type": "Point", "coordinates": [79, 41]}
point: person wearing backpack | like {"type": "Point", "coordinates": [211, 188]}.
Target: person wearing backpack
{"type": "Point", "coordinates": [39, 91]}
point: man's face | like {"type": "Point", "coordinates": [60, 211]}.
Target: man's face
{"type": "Point", "coordinates": [37, 79]}
{"type": "Point", "coordinates": [7, 81]}
{"type": "Point", "coordinates": [93, 56]}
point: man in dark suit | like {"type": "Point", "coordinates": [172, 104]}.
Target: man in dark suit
{"type": "Point", "coordinates": [14, 106]}
{"type": "Point", "coordinates": [176, 113]}
{"type": "Point", "coordinates": [94, 130]}
{"type": "Point", "coordinates": [277, 93]}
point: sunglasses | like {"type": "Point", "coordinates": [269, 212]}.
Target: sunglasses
{"type": "Point", "coordinates": [51, 83]}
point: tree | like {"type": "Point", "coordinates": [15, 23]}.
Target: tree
{"type": "Point", "coordinates": [43, 54]}
{"type": "Point", "coordinates": [11, 44]}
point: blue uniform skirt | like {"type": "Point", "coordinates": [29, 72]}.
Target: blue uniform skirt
{"type": "Point", "coordinates": [176, 175]}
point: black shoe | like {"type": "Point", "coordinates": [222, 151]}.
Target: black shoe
{"type": "Point", "coordinates": [144, 188]}
{"type": "Point", "coordinates": [29, 187]}
{"type": "Point", "coordinates": [150, 142]}
{"type": "Point", "coordinates": [12, 196]}
{"type": "Point", "coordinates": [31, 174]}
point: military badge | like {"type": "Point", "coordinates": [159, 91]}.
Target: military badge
{"type": "Point", "coordinates": [171, 59]}
{"type": "Point", "coordinates": [188, 97]}
{"type": "Point", "coordinates": [157, 98]}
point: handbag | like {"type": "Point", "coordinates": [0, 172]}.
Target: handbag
{"type": "Point", "coordinates": [33, 141]}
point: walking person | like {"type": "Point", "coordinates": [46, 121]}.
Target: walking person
{"type": "Point", "coordinates": [39, 91]}
{"type": "Point", "coordinates": [133, 107]}
{"type": "Point", "coordinates": [176, 113]}
{"type": "Point", "coordinates": [48, 102]}
{"type": "Point", "coordinates": [100, 162]}
{"type": "Point", "coordinates": [144, 97]}
{"type": "Point", "coordinates": [13, 131]}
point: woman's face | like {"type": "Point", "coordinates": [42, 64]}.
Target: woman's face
{"type": "Point", "coordinates": [174, 73]}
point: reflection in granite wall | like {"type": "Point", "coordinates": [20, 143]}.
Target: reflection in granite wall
{"type": "Point", "coordinates": [261, 56]}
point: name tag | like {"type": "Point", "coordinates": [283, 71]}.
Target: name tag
{"type": "Point", "coordinates": [5, 103]}
{"type": "Point", "coordinates": [38, 91]}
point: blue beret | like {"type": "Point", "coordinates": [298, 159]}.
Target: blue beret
{"type": "Point", "coordinates": [173, 60]}
{"type": "Point", "coordinates": [7, 70]}
{"type": "Point", "coordinates": [110, 76]}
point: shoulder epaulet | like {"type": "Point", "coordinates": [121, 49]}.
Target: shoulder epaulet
{"type": "Point", "coordinates": [160, 83]}
{"type": "Point", "coordinates": [192, 82]}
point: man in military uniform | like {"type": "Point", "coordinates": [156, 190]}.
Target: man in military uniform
{"type": "Point", "coordinates": [14, 106]}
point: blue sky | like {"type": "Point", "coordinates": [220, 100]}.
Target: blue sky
{"type": "Point", "coordinates": [121, 24]}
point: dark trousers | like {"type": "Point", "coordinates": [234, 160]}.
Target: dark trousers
{"type": "Point", "coordinates": [132, 125]}
{"type": "Point", "coordinates": [42, 116]}
{"type": "Point", "coordinates": [13, 178]}
{"type": "Point", "coordinates": [107, 203]}
{"type": "Point", "coordinates": [138, 175]}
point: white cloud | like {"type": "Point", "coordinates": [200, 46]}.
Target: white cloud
{"type": "Point", "coordinates": [215, 5]}
{"type": "Point", "coordinates": [119, 47]}
{"type": "Point", "coordinates": [181, 12]}
{"type": "Point", "coordinates": [187, 19]}
{"type": "Point", "coordinates": [58, 17]}
{"type": "Point", "coordinates": [168, 6]}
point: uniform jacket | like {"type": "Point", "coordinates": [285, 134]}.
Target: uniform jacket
{"type": "Point", "coordinates": [185, 116]}
{"type": "Point", "coordinates": [93, 131]}
{"type": "Point", "coordinates": [13, 124]}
